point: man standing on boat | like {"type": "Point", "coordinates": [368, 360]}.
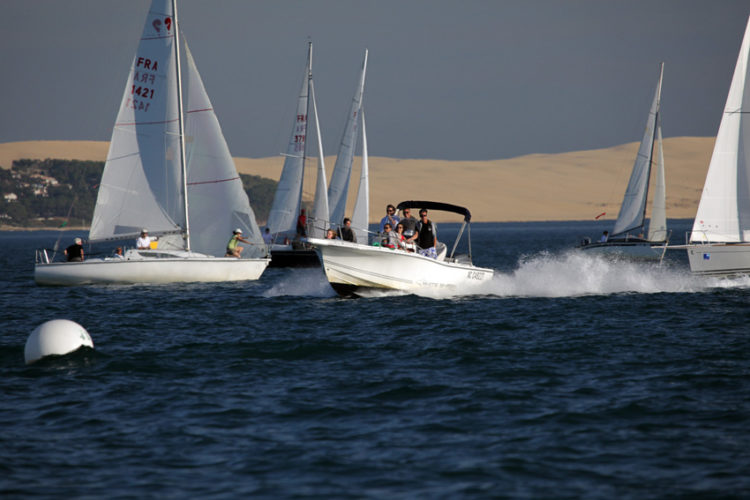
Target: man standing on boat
{"type": "Point", "coordinates": [390, 218]}
{"type": "Point", "coordinates": [410, 225]}
{"type": "Point", "coordinates": [427, 235]}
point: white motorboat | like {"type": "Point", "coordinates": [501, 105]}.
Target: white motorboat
{"type": "Point", "coordinates": [626, 239]}
{"type": "Point", "coordinates": [160, 157]}
{"type": "Point", "coordinates": [354, 268]}
{"type": "Point", "coordinates": [719, 243]}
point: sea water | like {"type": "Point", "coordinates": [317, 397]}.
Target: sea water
{"type": "Point", "coordinates": [568, 376]}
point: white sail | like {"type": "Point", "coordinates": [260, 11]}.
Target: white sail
{"type": "Point", "coordinates": [338, 190]}
{"type": "Point", "coordinates": [142, 183]}
{"type": "Point", "coordinates": [286, 202]}
{"type": "Point", "coordinates": [633, 208]}
{"type": "Point", "coordinates": [218, 202]}
{"type": "Point", "coordinates": [361, 213]}
{"type": "Point", "coordinates": [320, 215]}
{"type": "Point", "coordinates": [657, 227]}
{"type": "Point", "coordinates": [724, 209]}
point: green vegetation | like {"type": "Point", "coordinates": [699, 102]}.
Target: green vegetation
{"type": "Point", "coordinates": [52, 193]}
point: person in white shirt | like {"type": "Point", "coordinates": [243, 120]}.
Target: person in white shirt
{"type": "Point", "coordinates": [144, 241]}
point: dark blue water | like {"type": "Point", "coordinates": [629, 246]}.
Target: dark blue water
{"type": "Point", "coordinates": [571, 377]}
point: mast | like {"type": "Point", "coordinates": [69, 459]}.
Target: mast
{"type": "Point", "coordinates": [180, 120]}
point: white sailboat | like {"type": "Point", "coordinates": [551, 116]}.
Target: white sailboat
{"type": "Point", "coordinates": [631, 219]}
{"type": "Point", "coordinates": [338, 190]}
{"type": "Point", "coordinates": [720, 240]}
{"type": "Point", "coordinates": [354, 269]}
{"type": "Point", "coordinates": [161, 157]}
{"type": "Point", "coordinates": [287, 201]}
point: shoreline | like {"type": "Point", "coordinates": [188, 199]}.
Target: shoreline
{"type": "Point", "coordinates": [569, 186]}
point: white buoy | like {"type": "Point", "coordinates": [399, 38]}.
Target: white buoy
{"type": "Point", "coordinates": [56, 337]}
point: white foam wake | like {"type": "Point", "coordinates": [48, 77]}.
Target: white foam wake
{"type": "Point", "coordinates": [575, 273]}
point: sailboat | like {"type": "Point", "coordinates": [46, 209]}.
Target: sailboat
{"type": "Point", "coordinates": [631, 219]}
{"type": "Point", "coordinates": [168, 170]}
{"type": "Point", "coordinates": [720, 240]}
{"type": "Point", "coordinates": [338, 190]}
{"type": "Point", "coordinates": [287, 250]}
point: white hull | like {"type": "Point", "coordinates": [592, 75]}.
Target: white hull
{"type": "Point", "coordinates": [351, 267]}
{"type": "Point", "coordinates": [627, 250]}
{"type": "Point", "coordinates": [719, 259]}
{"type": "Point", "coordinates": [149, 270]}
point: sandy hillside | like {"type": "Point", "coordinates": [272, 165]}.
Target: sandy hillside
{"type": "Point", "coordinates": [567, 186]}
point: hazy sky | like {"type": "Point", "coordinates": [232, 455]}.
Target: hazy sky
{"type": "Point", "coordinates": [460, 80]}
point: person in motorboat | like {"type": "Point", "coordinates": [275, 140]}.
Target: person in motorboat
{"type": "Point", "coordinates": [390, 238]}
{"type": "Point", "coordinates": [233, 245]}
{"type": "Point", "coordinates": [346, 232]}
{"type": "Point", "coordinates": [74, 253]}
{"type": "Point", "coordinates": [144, 241]}
{"type": "Point", "coordinates": [390, 218]}
{"type": "Point", "coordinates": [410, 225]}
{"type": "Point", "coordinates": [427, 235]}
{"type": "Point", "coordinates": [403, 242]}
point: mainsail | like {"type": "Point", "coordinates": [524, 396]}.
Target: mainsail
{"type": "Point", "coordinates": [361, 213]}
{"type": "Point", "coordinates": [724, 210]}
{"type": "Point", "coordinates": [633, 208]}
{"type": "Point", "coordinates": [288, 197]}
{"type": "Point", "coordinates": [339, 187]}
{"type": "Point", "coordinates": [142, 181]}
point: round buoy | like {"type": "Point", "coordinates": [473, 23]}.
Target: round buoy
{"type": "Point", "coordinates": [56, 337]}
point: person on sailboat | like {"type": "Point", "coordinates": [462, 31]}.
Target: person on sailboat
{"type": "Point", "coordinates": [605, 237]}
{"type": "Point", "coordinates": [267, 236]}
{"type": "Point", "coordinates": [233, 245]}
{"type": "Point", "coordinates": [330, 234]}
{"type": "Point", "coordinates": [74, 253]}
{"type": "Point", "coordinates": [346, 232]}
{"type": "Point", "coordinates": [390, 218]}
{"type": "Point", "coordinates": [302, 224]}
{"type": "Point", "coordinates": [144, 241]}
{"type": "Point", "coordinates": [427, 235]}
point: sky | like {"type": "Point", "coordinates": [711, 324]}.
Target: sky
{"type": "Point", "coordinates": [454, 80]}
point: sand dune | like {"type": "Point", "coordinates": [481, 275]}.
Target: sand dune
{"type": "Point", "coordinates": [568, 186]}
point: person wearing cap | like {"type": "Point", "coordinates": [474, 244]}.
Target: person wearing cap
{"type": "Point", "coordinates": [74, 253]}
{"type": "Point", "coordinates": [144, 241]}
{"type": "Point", "coordinates": [233, 245]}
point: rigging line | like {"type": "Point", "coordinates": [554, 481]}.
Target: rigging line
{"type": "Point", "coordinates": [65, 223]}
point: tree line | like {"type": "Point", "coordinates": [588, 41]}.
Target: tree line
{"type": "Point", "coordinates": [56, 193]}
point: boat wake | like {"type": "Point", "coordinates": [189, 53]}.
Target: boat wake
{"type": "Point", "coordinates": [301, 283]}
{"type": "Point", "coordinates": [574, 273]}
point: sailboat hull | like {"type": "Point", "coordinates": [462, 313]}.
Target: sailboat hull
{"type": "Point", "coordinates": [633, 250]}
{"type": "Point", "coordinates": [155, 270]}
{"type": "Point", "coordinates": [353, 269]}
{"type": "Point", "coordinates": [719, 259]}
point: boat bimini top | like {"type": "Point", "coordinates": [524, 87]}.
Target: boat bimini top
{"type": "Point", "coordinates": [444, 207]}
